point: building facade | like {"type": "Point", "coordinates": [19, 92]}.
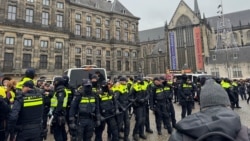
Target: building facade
{"type": "Point", "coordinates": [190, 40]}
{"type": "Point", "coordinates": [54, 35]}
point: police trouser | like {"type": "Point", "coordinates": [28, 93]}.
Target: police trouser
{"type": "Point", "coordinates": [59, 129]}
{"type": "Point", "coordinates": [171, 111]}
{"type": "Point", "coordinates": [176, 96]}
{"type": "Point", "coordinates": [30, 133]}
{"type": "Point", "coordinates": [113, 127]}
{"type": "Point", "coordinates": [2, 130]}
{"type": "Point", "coordinates": [123, 119]}
{"type": "Point", "coordinates": [140, 116]}
{"type": "Point", "coordinates": [147, 121]}
{"type": "Point", "coordinates": [236, 99]}
{"type": "Point", "coordinates": [86, 126]}
{"type": "Point", "coordinates": [161, 114]}
{"type": "Point", "coordinates": [45, 116]}
{"type": "Point", "coordinates": [186, 107]}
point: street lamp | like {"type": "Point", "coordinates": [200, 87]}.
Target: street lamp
{"type": "Point", "coordinates": [160, 53]}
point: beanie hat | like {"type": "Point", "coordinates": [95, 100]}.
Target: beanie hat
{"type": "Point", "coordinates": [212, 94]}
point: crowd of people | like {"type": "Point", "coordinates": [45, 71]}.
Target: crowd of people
{"type": "Point", "coordinates": [27, 107]}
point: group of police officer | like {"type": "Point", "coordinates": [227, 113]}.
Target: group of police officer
{"type": "Point", "coordinates": [86, 110]}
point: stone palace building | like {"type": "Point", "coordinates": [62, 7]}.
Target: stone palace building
{"type": "Point", "coordinates": [54, 35]}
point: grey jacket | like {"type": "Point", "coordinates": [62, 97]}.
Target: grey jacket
{"type": "Point", "coordinates": [212, 119]}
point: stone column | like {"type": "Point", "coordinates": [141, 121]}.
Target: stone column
{"type": "Point", "coordinates": [51, 57]}
{"type": "Point", "coordinates": [19, 50]}
{"type": "Point", "coordinates": [67, 54]}
{"type": "Point", "coordinates": [3, 10]}
{"type": "Point", "coordinates": [36, 51]}
{"type": "Point", "coordinates": [38, 12]}
{"type": "Point", "coordinates": [21, 11]}
{"type": "Point", "coordinates": [1, 48]}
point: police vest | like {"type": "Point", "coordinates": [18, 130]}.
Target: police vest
{"type": "Point", "coordinates": [122, 89]}
{"type": "Point", "coordinates": [87, 106]}
{"type": "Point", "coordinates": [159, 94]}
{"type": "Point", "coordinates": [54, 100]}
{"type": "Point", "coordinates": [139, 87]}
{"type": "Point", "coordinates": [19, 85]}
{"type": "Point", "coordinates": [2, 92]}
{"type": "Point", "coordinates": [70, 96]}
{"type": "Point", "coordinates": [235, 84]}
{"type": "Point", "coordinates": [226, 85]}
{"type": "Point", "coordinates": [32, 110]}
{"type": "Point", "coordinates": [106, 102]}
{"type": "Point", "coordinates": [187, 89]}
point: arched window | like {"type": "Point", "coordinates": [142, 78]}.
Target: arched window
{"type": "Point", "coordinates": [248, 35]}
{"type": "Point", "coordinates": [183, 20]}
{"type": "Point", "coordinates": [235, 36]}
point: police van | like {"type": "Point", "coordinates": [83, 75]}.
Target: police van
{"type": "Point", "coordinates": [76, 75]}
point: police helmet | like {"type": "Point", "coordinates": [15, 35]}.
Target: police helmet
{"type": "Point", "coordinates": [123, 79]}
{"type": "Point", "coordinates": [184, 77]}
{"type": "Point", "coordinates": [66, 79]}
{"type": "Point", "coordinates": [30, 72]}
{"type": "Point", "coordinates": [58, 81]}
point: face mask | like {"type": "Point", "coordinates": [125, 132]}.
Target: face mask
{"type": "Point", "coordinates": [105, 89]}
{"type": "Point", "coordinates": [94, 84]}
{"type": "Point", "coordinates": [87, 90]}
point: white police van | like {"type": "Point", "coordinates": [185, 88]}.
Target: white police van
{"type": "Point", "coordinates": [76, 75]}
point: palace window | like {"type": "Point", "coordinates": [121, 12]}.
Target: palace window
{"type": "Point", "coordinates": [117, 35]}
{"type": "Point", "coordinates": [88, 19]}
{"type": "Point", "coordinates": [98, 21]}
{"type": "Point", "coordinates": [99, 63]}
{"type": "Point", "coordinates": [125, 25]}
{"type": "Point", "coordinates": [215, 72]}
{"type": "Point", "coordinates": [126, 36]}
{"type": "Point", "coordinates": [98, 33]}
{"type": "Point", "coordinates": [43, 61]}
{"type": "Point", "coordinates": [60, 5]}
{"type": "Point", "coordinates": [78, 29]}
{"type": "Point", "coordinates": [89, 51]}
{"type": "Point", "coordinates": [78, 50]}
{"type": "Point", "coordinates": [119, 65]}
{"type": "Point", "coordinates": [11, 12]}
{"type": "Point", "coordinates": [9, 40]}
{"type": "Point", "coordinates": [29, 15]}
{"type": "Point", "coordinates": [107, 22]}
{"type": "Point", "coordinates": [45, 18]}
{"type": "Point", "coordinates": [8, 61]}
{"type": "Point", "coordinates": [89, 62]}
{"type": "Point", "coordinates": [127, 65]}
{"type": "Point", "coordinates": [78, 63]}
{"type": "Point", "coordinates": [27, 42]}
{"type": "Point", "coordinates": [107, 53]}
{"type": "Point", "coordinates": [237, 73]}
{"type": "Point", "coordinates": [88, 31]}
{"type": "Point", "coordinates": [248, 35]}
{"type": "Point", "coordinates": [44, 44]}
{"type": "Point", "coordinates": [59, 20]}
{"type": "Point", "coordinates": [59, 45]}
{"type": "Point", "coordinates": [26, 61]}
{"type": "Point", "coordinates": [58, 62]}
{"type": "Point", "coordinates": [46, 2]}
{"type": "Point", "coordinates": [108, 65]}
{"type": "Point", "coordinates": [78, 16]}
{"type": "Point", "coordinates": [98, 52]}
{"type": "Point", "coordinates": [119, 53]}
{"type": "Point", "coordinates": [134, 66]}
{"type": "Point", "coordinates": [107, 34]}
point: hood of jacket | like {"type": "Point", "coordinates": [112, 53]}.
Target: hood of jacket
{"type": "Point", "coordinates": [220, 119]}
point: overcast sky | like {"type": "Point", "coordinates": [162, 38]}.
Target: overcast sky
{"type": "Point", "coordinates": [154, 13]}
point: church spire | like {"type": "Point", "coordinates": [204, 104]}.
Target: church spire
{"type": "Point", "coordinates": [196, 9]}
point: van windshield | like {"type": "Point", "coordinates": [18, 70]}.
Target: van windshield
{"type": "Point", "coordinates": [77, 75]}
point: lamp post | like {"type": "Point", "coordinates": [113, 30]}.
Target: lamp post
{"type": "Point", "coordinates": [164, 61]}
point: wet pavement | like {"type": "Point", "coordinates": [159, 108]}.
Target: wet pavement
{"type": "Point", "coordinates": [244, 113]}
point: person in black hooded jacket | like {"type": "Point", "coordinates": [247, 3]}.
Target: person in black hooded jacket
{"type": "Point", "coordinates": [215, 122]}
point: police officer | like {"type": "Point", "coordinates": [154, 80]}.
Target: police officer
{"type": "Point", "coordinates": [47, 95]}
{"type": "Point", "coordinates": [26, 114]}
{"type": "Point", "coordinates": [158, 104]}
{"type": "Point", "coordinates": [140, 94]}
{"type": "Point", "coordinates": [236, 93]}
{"type": "Point", "coordinates": [59, 102]}
{"type": "Point", "coordinates": [186, 96]}
{"type": "Point", "coordinates": [4, 111]}
{"type": "Point", "coordinates": [149, 84]}
{"type": "Point", "coordinates": [226, 84]}
{"type": "Point", "coordinates": [168, 90]}
{"type": "Point", "coordinates": [108, 111]}
{"type": "Point", "coordinates": [70, 92]}
{"type": "Point", "coordinates": [95, 84]}
{"type": "Point", "coordinates": [123, 102]}
{"type": "Point", "coordinates": [85, 106]}
{"type": "Point", "coordinates": [29, 75]}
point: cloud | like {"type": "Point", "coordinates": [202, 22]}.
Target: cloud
{"type": "Point", "coordinates": [154, 13]}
